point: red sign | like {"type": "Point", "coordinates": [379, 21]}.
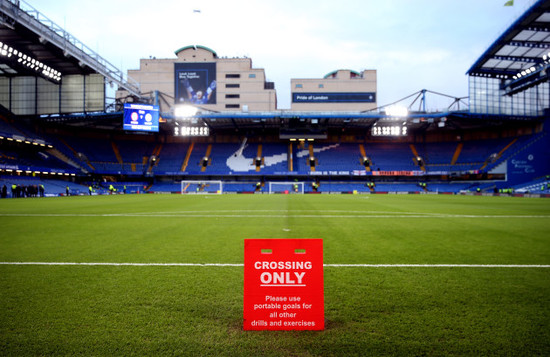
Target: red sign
{"type": "Point", "coordinates": [283, 284]}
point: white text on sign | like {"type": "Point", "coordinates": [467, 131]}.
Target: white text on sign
{"type": "Point", "coordinates": [294, 278]}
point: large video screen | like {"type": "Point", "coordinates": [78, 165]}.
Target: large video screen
{"type": "Point", "coordinates": [195, 83]}
{"type": "Point", "coordinates": [141, 117]}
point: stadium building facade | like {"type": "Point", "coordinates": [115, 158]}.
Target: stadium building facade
{"type": "Point", "coordinates": [340, 90]}
{"type": "Point", "coordinates": [197, 76]}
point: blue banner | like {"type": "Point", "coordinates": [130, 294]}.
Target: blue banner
{"type": "Point", "coordinates": [357, 97]}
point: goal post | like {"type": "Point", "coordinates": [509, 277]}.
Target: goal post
{"type": "Point", "coordinates": [286, 187]}
{"type": "Point", "coordinates": [205, 187]}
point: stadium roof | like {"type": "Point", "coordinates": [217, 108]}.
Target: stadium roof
{"type": "Point", "coordinates": [296, 124]}
{"type": "Point", "coordinates": [31, 43]}
{"type": "Point", "coordinates": [523, 47]}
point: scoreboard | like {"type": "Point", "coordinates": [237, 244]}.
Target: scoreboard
{"type": "Point", "coordinates": [191, 131]}
{"type": "Point", "coordinates": [141, 117]}
{"type": "Point", "coordinates": [389, 130]}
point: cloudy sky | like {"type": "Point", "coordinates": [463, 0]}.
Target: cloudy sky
{"type": "Point", "coordinates": [413, 44]}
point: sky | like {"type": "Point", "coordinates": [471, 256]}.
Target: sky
{"type": "Point", "coordinates": [412, 44]}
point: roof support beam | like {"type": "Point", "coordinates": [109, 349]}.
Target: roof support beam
{"type": "Point", "coordinates": [530, 44]}
{"type": "Point", "coordinates": [523, 59]}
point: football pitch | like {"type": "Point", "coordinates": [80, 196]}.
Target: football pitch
{"type": "Point", "coordinates": [153, 275]}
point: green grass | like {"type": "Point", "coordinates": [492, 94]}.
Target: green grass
{"type": "Point", "coordinates": [146, 310]}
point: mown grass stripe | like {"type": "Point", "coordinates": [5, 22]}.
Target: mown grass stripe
{"type": "Point", "coordinates": [325, 265]}
{"type": "Point", "coordinates": [213, 215]}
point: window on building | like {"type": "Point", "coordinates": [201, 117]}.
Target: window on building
{"type": "Point", "coordinates": [228, 96]}
{"type": "Point", "coordinates": [252, 75]}
{"type": "Point", "coordinates": [321, 85]}
{"type": "Point", "coordinates": [232, 75]}
{"type": "Point", "coordinates": [232, 85]}
{"type": "Point", "coordinates": [299, 86]}
{"type": "Point", "coordinates": [232, 106]}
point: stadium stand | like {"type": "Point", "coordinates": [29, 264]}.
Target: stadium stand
{"type": "Point", "coordinates": [170, 159]}
{"type": "Point", "coordinates": [391, 157]}
{"type": "Point", "coordinates": [135, 158]}
{"type": "Point", "coordinates": [52, 187]}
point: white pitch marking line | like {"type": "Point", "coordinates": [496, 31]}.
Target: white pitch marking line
{"type": "Point", "coordinates": [437, 265]}
{"type": "Point", "coordinates": [127, 264]}
{"type": "Point", "coordinates": [190, 215]}
{"type": "Point", "coordinates": [325, 265]}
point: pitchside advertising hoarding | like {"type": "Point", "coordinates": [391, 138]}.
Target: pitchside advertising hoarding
{"type": "Point", "coordinates": [195, 83]}
{"type": "Point", "coordinates": [283, 284]}
{"type": "Point", "coordinates": [141, 117]}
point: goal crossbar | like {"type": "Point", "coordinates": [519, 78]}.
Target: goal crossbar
{"type": "Point", "coordinates": [291, 187]}
{"type": "Point", "coordinates": [202, 187]}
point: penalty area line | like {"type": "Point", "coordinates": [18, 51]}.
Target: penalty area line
{"type": "Point", "coordinates": [242, 265]}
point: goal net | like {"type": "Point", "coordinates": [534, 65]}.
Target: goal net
{"type": "Point", "coordinates": [202, 187]}
{"type": "Point", "coordinates": [286, 187]}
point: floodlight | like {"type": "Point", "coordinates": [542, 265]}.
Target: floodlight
{"type": "Point", "coordinates": [397, 111]}
{"type": "Point", "coordinates": [185, 111]}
